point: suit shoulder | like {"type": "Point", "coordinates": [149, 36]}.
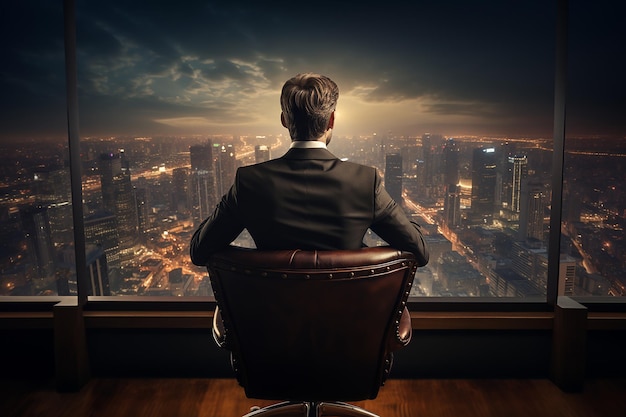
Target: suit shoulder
{"type": "Point", "coordinates": [358, 167]}
{"type": "Point", "coordinates": [257, 166]}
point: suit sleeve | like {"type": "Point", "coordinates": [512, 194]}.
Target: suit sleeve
{"type": "Point", "coordinates": [391, 224]}
{"type": "Point", "coordinates": [218, 230]}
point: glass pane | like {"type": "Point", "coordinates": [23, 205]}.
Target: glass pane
{"type": "Point", "coordinates": [36, 238]}
{"type": "Point", "coordinates": [594, 201]}
{"type": "Point", "coordinates": [173, 99]}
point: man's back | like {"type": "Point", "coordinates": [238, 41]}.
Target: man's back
{"type": "Point", "coordinates": [308, 199]}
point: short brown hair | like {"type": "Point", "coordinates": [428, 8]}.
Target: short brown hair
{"type": "Point", "coordinates": [307, 101]}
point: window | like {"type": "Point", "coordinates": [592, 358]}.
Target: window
{"type": "Point", "coordinates": [36, 237]}
{"type": "Point", "coordinates": [452, 102]}
{"type": "Point", "coordinates": [594, 202]}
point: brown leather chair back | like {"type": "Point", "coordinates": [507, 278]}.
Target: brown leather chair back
{"type": "Point", "coordinates": [312, 325]}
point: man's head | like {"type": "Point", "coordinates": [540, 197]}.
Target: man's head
{"type": "Point", "coordinates": [308, 103]}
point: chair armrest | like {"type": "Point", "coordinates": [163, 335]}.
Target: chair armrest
{"type": "Point", "coordinates": [219, 331]}
{"type": "Point", "coordinates": [403, 332]}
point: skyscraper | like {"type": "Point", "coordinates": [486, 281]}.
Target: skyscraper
{"type": "Point", "coordinates": [203, 186]}
{"type": "Point", "coordinates": [393, 176]}
{"type": "Point", "coordinates": [52, 185]}
{"type": "Point", "coordinates": [201, 157]}
{"type": "Point", "coordinates": [101, 230]}
{"type": "Point", "coordinates": [261, 153]}
{"type": "Point", "coordinates": [567, 275]}
{"type": "Point", "coordinates": [532, 208]}
{"type": "Point", "coordinates": [36, 226]}
{"type": "Point", "coordinates": [118, 197]}
{"type": "Point", "coordinates": [432, 157]}
{"type": "Point", "coordinates": [181, 195]}
{"type": "Point", "coordinates": [110, 168]}
{"type": "Point", "coordinates": [97, 271]}
{"type": "Point", "coordinates": [451, 163]}
{"type": "Point", "coordinates": [529, 260]}
{"type": "Point", "coordinates": [143, 221]}
{"type": "Point", "coordinates": [484, 181]}
{"type": "Point", "coordinates": [519, 172]}
{"type": "Point", "coordinates": [226, 168]}
{"type": "Point", "coordinates": [452, 206]}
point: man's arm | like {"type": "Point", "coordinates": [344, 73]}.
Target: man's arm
{"type": "Point", "coordinates": [218, 230]}
{"type": "Point", "coordinates": [392, 225]}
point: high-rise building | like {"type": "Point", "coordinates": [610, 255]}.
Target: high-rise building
{"type": "Point", "coordinates": [110, 169]}
{"type": "Point", "coordinates": [203, 188]}
{"type": "Point", "coordinates": [204, 197]}
{"type": "Point", "coordinates": [452, 206]}
{"type": "Point", "coordinates": [529, 260]}
{"type": "Point", "coordinates": [201, 157]}
{"type": "Point", "coordinates": [532, 209]}
{"type": "Point", "coordinates": [181, 195]}
{"type": "Point", "coordinates": [143, 219]}
{"type": "Point", "coordinates": [432, 155]}
{"type": "Point", "coordinates": [101, 229]}
{"type": "Point", "coordinates": [519, 171]}
{"type": "Point", "coordinates": [261, 153]}
{"type": "Point", "coordinates": [484, 181]}
{"type": "Point", "coordinates": [410, 155]}
{"type": "Point", "coordinates": [567, 275]}
{"type": "Point", "coordinates": [393, 176]}
{"type": "Point", "coordinates": [97, 271]}
{"type": "Point", "coordinates": [52, 185]}
{"type": "Point", "coordinates": [60, 218]}
{"type": "Point", "coordinates": [36, 227]}
{"type": "Point", "coordinates": [118, 197]}
{"type": "Point", "coordinates": [451, 153]}
{"type": "Point", "coordinates": [226, 168]}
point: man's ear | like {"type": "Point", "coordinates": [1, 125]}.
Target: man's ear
{"type": "Point", "coordinates": [282, 119]}
{"type": "Point", "coordinates": [331, 121]}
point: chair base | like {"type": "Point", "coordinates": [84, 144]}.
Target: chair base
{"type": "Point", "coordinates": [310, 409]}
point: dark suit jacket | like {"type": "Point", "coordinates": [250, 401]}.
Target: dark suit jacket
{"type": "Point", "coordinates": [307, 199]}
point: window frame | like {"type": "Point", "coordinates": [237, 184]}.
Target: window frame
{"type": "Point", "coordinates": [417, 304]}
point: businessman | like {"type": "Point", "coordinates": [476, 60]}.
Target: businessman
{"type": "Point", "coordinates": [308, 198]}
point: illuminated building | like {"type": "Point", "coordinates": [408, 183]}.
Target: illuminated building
{"type": "Point", "coordinates": [97, 271]}
{"type": "Point", "coordinates": [101, 229]}
{"type": "Point", "coordinates": [567, 274]}
{"type": "Point", "coordinates": [181, 193]}
{"type": "Point", "coordinates": [518, 174]}
{"type": "Point", "coordinates": [532, 208]}
{"type": "Point", "coordinates": [36, 227]}
{"type": "Point", "coordinates": [226, 168]}
{"type": "Point", "coordinates": [202, 182]}
{"type": "Point", "coordinates": [452, 206]}
{"type": "Point", "coordinates": [484, 181]}
{"type": "Point", "coordinates": [118, 197]}
{"type": "Point", "coordinates": [393, 176]}
{"type": "Point", "coordinates": [261, 153]}
{"type": "Point", "coordinates": [141, 197]}
{"type": "Point", "coordinates": [201, 157]}
{"type": "Point", "coordinates": [451, 153]}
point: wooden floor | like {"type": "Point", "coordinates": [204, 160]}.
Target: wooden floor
{"type": "Point", "coordinates": [399, 398]}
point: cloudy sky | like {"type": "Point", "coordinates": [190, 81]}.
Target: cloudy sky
{"type": "Point", "coordinates": [216, 67]}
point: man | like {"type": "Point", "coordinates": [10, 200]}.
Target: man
{"type": "Point", "coordinates": [307, 199]}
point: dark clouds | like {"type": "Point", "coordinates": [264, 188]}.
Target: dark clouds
{"type": "Point", "coordinates": [217, 66]}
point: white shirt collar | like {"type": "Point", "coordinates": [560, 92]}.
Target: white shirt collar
{"type": "Point", "coordinates": [307, 144]}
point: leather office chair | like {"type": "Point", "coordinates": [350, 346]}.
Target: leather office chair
{"type": "Point", "coordinates": [311, 328]}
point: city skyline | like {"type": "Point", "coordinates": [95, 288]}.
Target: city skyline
{"type": "Point", "coordinates": [208, 69]}
{"type": "Point", "coordinates": [471, 218]}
